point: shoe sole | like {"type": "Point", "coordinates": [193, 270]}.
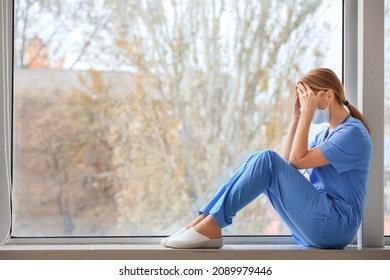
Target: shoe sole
{"type": "Point", "coordinates": [209, 244]}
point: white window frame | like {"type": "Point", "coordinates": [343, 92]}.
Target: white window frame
{"type": "Point", "coordinates": [364, 82]}
{"type": "Point", "coordinates": [363, 76]}
{"type": "Point", "coordinates": [370, 81]}
{"type": "Point", "coordinates": [6, 19]}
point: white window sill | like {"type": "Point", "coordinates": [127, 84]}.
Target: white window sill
{"type": "Point", "coordinates": [153, 251]}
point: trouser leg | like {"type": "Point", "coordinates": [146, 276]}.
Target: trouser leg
{"type": "Point", "coordinates": [293, 196]}
{"type": "Point", "coordinates": [226, 187]}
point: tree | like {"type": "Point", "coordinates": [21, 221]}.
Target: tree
{"type": "Point", "coordinates": [60, 32]}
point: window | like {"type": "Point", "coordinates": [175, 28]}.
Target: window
{"type": "Point", "coordinates": [128, 115]}
{"type": "Point", "coordinates": [387, 120]}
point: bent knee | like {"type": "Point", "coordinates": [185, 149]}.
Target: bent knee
{"type": "Point", "coordinates": [268, 153]}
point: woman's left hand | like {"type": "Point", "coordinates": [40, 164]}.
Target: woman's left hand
{"type": "Point", "coordinates": [307, 98]}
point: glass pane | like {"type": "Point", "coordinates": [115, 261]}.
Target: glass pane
{"type": "Point", "coordinates": [128, 115]}
{"type": "Point", "coordinates": [387, 118]}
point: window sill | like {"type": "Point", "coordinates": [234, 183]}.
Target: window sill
{"type": "Point", "coordinates": [153, 252]}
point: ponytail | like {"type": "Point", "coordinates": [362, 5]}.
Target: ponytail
{"type": "Point", "coordinates": [356, 114]}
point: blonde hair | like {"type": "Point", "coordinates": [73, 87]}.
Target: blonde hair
{"type": "Point", "coordinates": [325, 79]}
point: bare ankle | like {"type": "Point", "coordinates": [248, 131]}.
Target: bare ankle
{"type": "Point", "coordinates": [209, 228]}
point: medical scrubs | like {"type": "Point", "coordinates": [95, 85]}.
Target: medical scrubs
{"type": "Point", "coordinates": [324, 211]}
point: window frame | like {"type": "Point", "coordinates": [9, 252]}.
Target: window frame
{"type": "Point", "coordinates": [6, 44]}
{"type": "Point", "coordinates": [359, 18]}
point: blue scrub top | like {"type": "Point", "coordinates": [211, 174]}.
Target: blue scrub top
{"type": "Point", "coordinates": [348, 149]}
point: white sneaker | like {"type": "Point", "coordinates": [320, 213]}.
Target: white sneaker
{"type": "Point", "coordinates": [165, 240]}
{"type": "Point", "coordinates": [191, 239]}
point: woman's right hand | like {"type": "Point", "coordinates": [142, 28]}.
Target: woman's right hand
{"type": "Point", "coordinates": [297, 104]}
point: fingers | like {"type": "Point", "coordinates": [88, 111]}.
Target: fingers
{"type": "Point", "coordinates": [296, 93]}
{"type": "Point", "coordinates": [307, 88]}
{"type": "Point", "coordinates": [301, 89]}
{"type": "Point", "coordinates": [304, 88]}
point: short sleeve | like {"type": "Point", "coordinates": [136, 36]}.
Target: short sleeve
{"type": "Point", "coordinates": [345, 148]}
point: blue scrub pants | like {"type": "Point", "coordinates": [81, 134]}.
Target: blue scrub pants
{"type": "Point", "coordinates": [312, 216]}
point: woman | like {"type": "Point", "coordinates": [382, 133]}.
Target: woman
{"type": "Point", "coordinates": [323, 212]}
